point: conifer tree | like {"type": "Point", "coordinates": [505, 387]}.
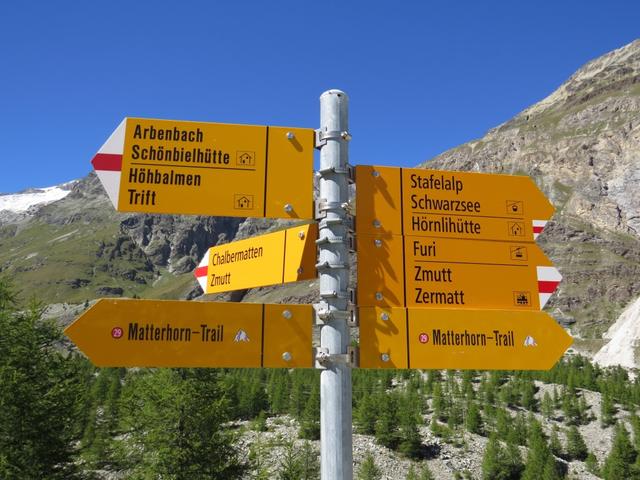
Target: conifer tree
{"type": "Point", "coordinates": [512, 457]}
{"type": "Point", "coordinates": [409, 441]}
{"type": "Point", "coordinates": [467, 385]}
{"type": "Point", "coordinates": [493, 464]}
{"type": "Point", "coordinates": [297, 398]}
{"type": "Point", "coordinates": [554, 442]}
{"type": "Point", "coordinates": [424, 474]}
{"type": "Point", "coordinates": [503, 423]}
{"type": "Point", "coordinates": [527, 395]}
{"type": "Point", "coordinates": [433, 377]}
{"type": "Point", "coordinates": [591, 463]}
{"type": "Point", "coordinates": [387, 423]}
{"type": "Point", "coordinates": [368, 469]}
{"type": "Point", "coordinates": [635, 426]}
{"type": "Point", "coordinates": [290, 467]}
{"type": "Point", "coordinates": [40, 389]}
{"type": "Point", "coordinates": [570, 407]}
{"type": "Point", "coordinates": [259, 424]}
{"type": "Point", "coordinates": [173, 423]}
{"type": "Point", "coordinates": [550, 470]}
{"type": "Point", "coordinates": [252, 395]}
{"type": "Point", "coordinates": [540, 461]}
{"type": "Point", "coordinates": [103, 417]}
{"type": "Point", "coordinates": [259, 469]}
{"type": "Point", "coordinates": [278, 391]}
{"type": "Point", "coordinates": [547, 406]}
{"type": "Point", "coordinates": [366, 414]}
{"type": "Point", "coordinates": [576, 447]}
{"type": "Point", "coordinates": [521, 430]}
{"type": "Point", "coordinates": [583, 411]}
{"type": "Point", "coordinates": [438, 403]}
{"type": "Point", "coordinates": [310, 422]}
{"type": "Point", "coordinates": [309, 464]}
{"type": "Point", "coordinates": [607, 410]}
{"type": "Point", "coordinates": [556, 398]}
{"type": "Point", "coordinates": [474, 418]}
{"type": "Point", "coordinates": [621, 457]}
{"type": "Point", "coordinates": [507, 395]}
{"type": "Point", "coordinates": [455, 418]}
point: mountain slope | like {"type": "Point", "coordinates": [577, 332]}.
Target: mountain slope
{"type": "Point", "coordinates": [581, 145]}
{"type": "Point", "coordinates": [78, 248]}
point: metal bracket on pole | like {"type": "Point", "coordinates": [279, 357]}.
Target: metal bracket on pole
{"type": "Point", "coordinates": [329, 266]}
{"type": "Point", "coordinates": [321, 207]}
{"type": "Point", "coordinates": [334, 294]}
{"type": "Point", "coordinates": [325, 315]}
{"type": "Point", "coordinates": [322, 136]}
{"type": "Point", "coordinates": [325, 360]}
{"type": "Point", "coordinates": [344, 171]}
{"type": "Point", "coordinates": [334, 241]}
{"type": "Point", "coordinates": [348, 221]}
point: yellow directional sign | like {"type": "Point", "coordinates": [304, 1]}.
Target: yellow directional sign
{"type": "Point", "coordinates": [279, 257]}
{"type": "Point", "coordinates": [162, 333]}
{"type": "Point", "coordinates": [459, 339]}
{"type": "Point", "coordinates": [178, 167]}
{"type": "Point", "coordinates": [402, 201]}
{"type": "Point", "coordinates": [435, 272]}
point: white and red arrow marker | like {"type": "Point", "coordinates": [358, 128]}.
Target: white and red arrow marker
{"type": "Point", "coordinates": [538, 227]}
{"type": "Point", "coordinates": [202, 271]}
{"type": "Point", "coordinates": [108, 163]}
{"type": "Point", "coordinates": [548, 280]}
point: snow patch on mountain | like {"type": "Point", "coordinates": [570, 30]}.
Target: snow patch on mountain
{"type": "Point", "coordinates": [23, 201]}
{"type": "Point", "coordinates": [623, 338]}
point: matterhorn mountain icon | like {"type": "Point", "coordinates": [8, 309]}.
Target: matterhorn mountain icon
{"type": "Point", "coordinates": [530, 342]}
{"type": "Point", "coordinates": [241, 336]}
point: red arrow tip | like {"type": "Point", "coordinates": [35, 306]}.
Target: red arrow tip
{"type": "Point", "coordinates": [107, 161]}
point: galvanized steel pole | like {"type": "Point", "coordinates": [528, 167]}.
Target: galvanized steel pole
{"type": "Point", "coordinates": [333, 268]}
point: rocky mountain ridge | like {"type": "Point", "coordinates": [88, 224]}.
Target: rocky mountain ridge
{"type": "Point", "coordinates": [581, 145]}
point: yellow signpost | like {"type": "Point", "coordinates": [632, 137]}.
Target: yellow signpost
{"type": "Point", "coordinates": [178, 167]}
{"type": "Point", "coordinates": [434, 272]}
{"type": "Point", "coordinates": [459, 339]}
{"type": "Point", "coordinates": [163, 333]}
{"type": "Point", "coordinates": [279, 257]}
{"type": "Point", "coordinates": [477, 206]}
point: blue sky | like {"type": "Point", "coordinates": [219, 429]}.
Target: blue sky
{"type": "Point", "coordinates": [422, 76]}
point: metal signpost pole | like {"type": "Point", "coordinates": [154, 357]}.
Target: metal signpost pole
{"type": "Point", "coordinates": [333, 269]}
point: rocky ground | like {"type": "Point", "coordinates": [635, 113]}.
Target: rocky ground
{"type": "Point", "coordinates": [460, 458]}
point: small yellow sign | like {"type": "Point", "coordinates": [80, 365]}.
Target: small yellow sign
{"type": "Point", "coordinates": [199, 168]}
{"type": "Point", "coordinates": [162, 333]}
{"type": "Point", "coordinates": [449, 204]}
{"type": "Point", "coordinates": [279, 257]}
{"type": "Point", "coordinates": [460, 339]}
{"type": "Point", "coordinates": [434, 272]}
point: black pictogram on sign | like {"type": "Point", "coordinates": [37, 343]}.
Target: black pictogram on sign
{"type": "Point", "coordinates": [522, 299]}
{"type": "Point", "coordinates": [243, 202]}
